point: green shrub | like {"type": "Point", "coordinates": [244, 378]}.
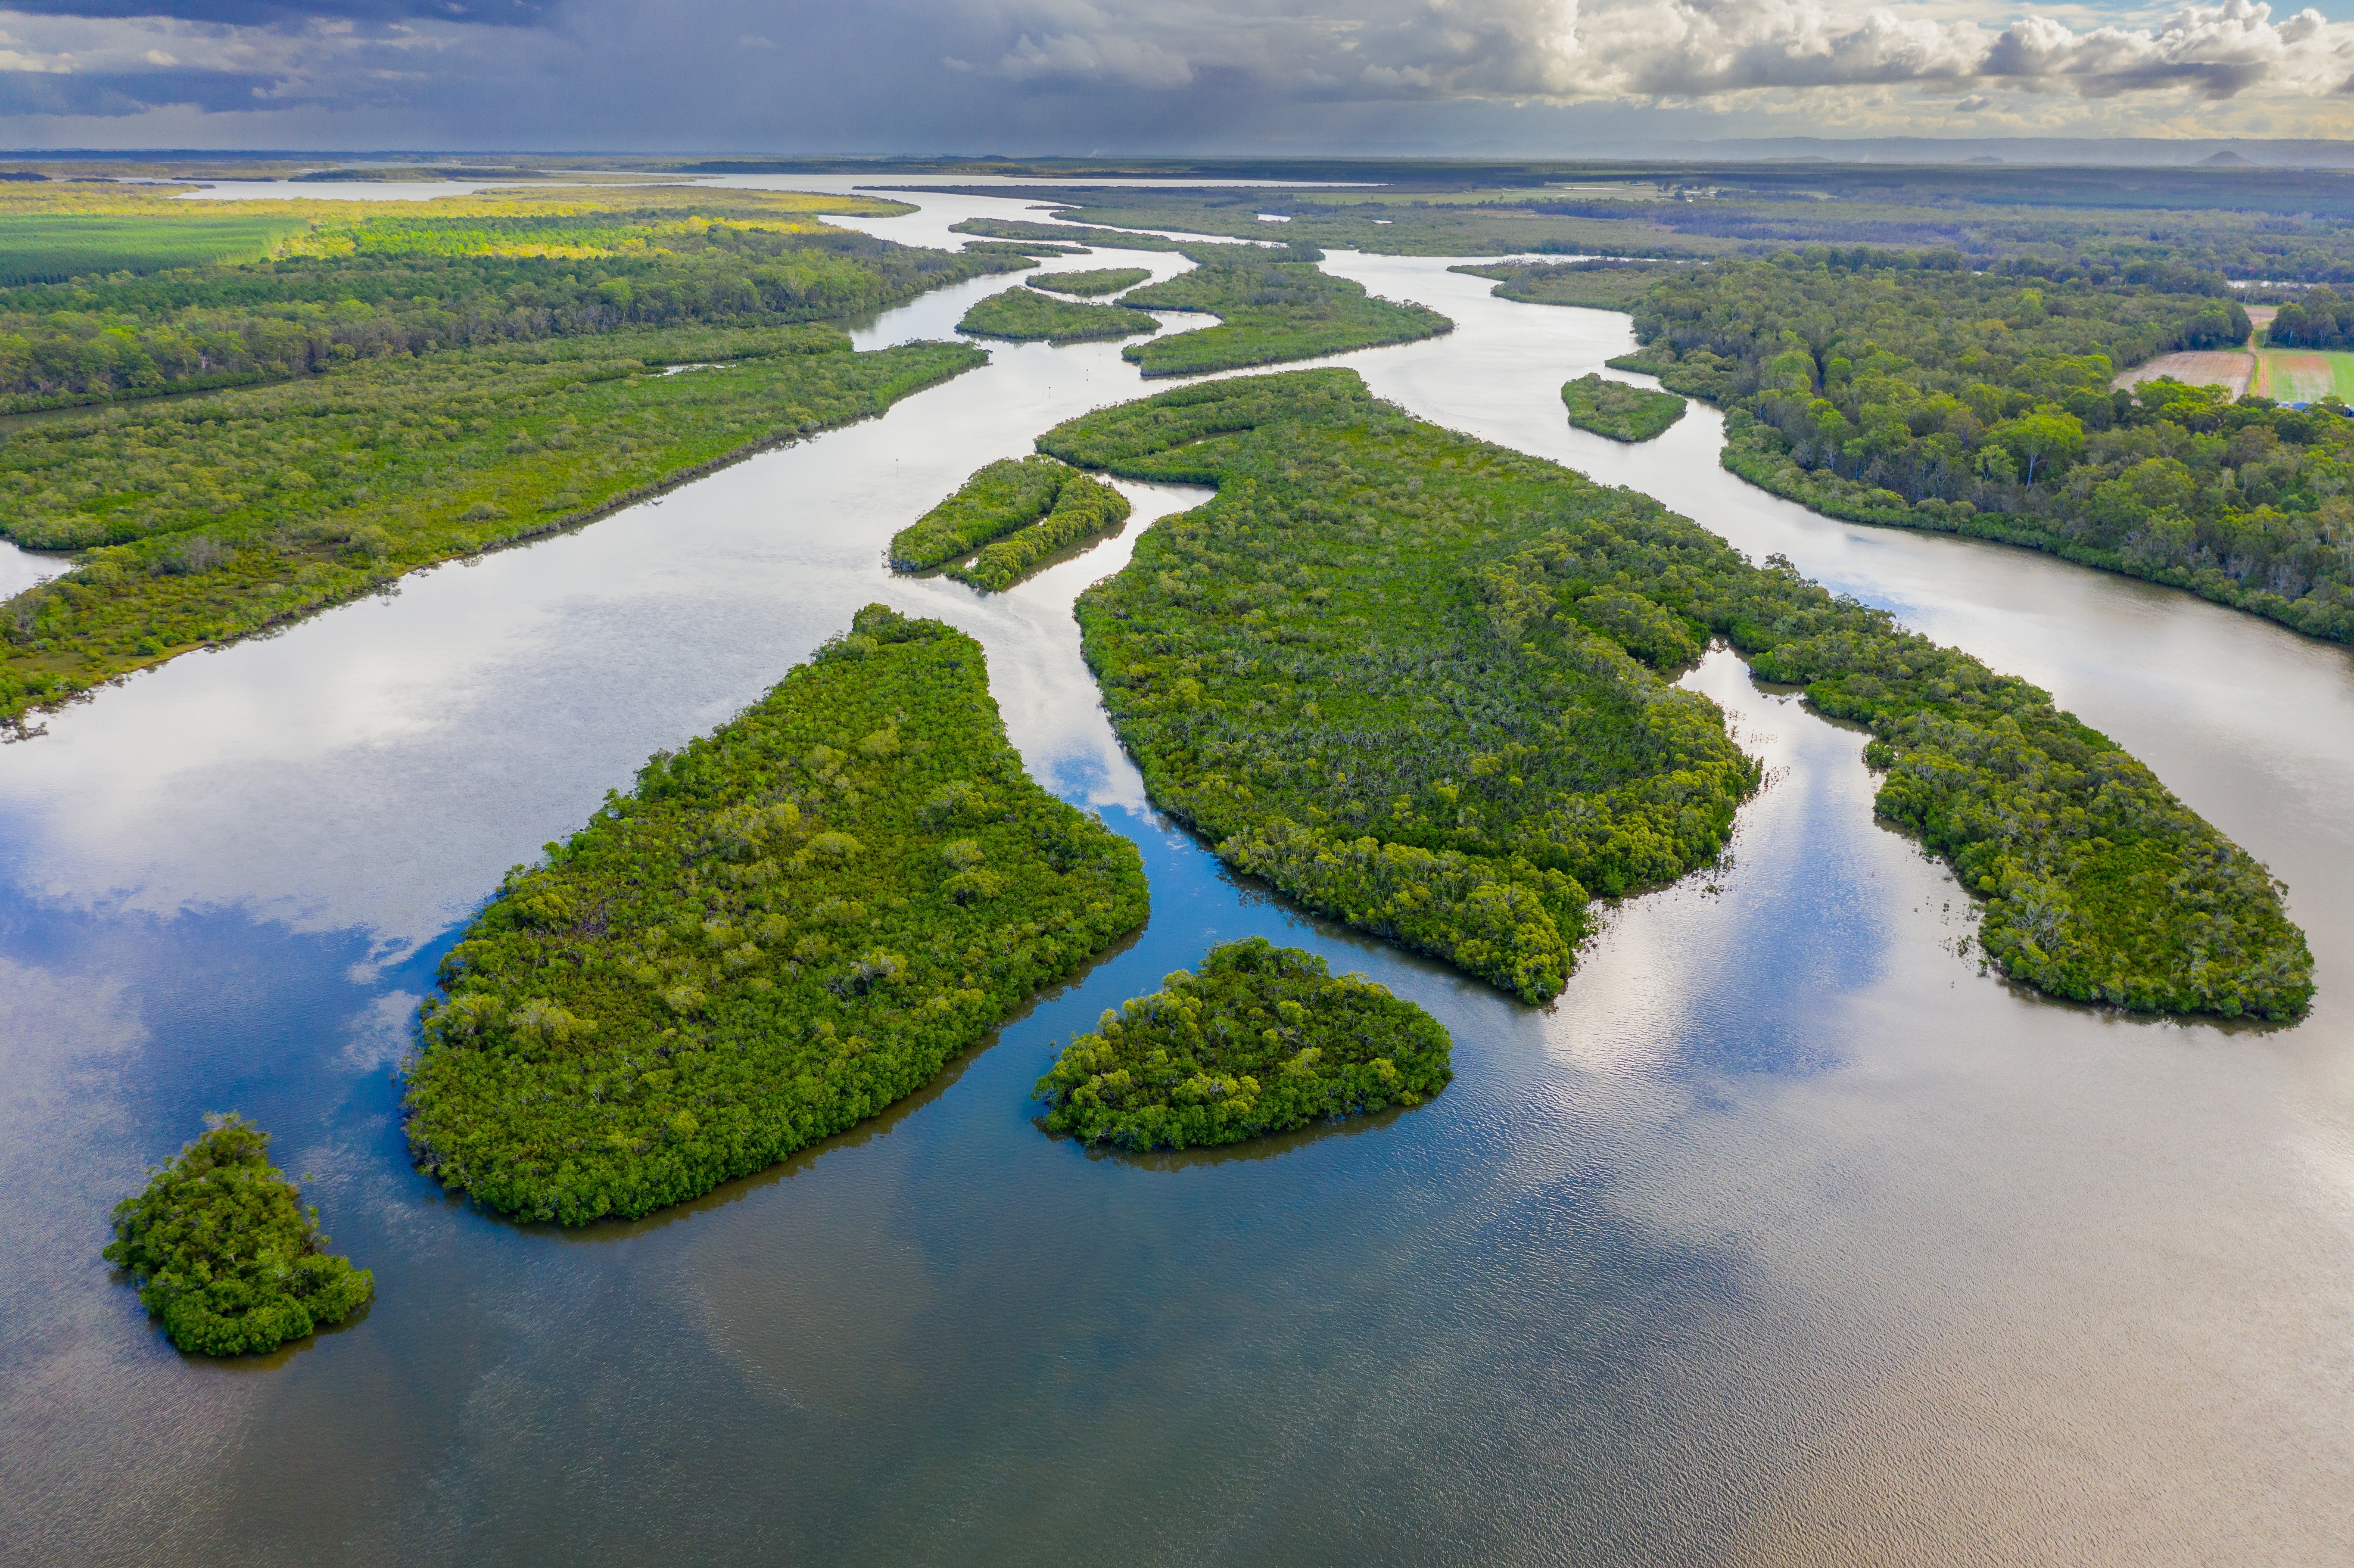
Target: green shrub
{"type": "Point", "coordinates": [225, 1254]}
{"type": "Point", "coordinates": [1619, 411]}
{"type": "Point", "coordinates": [1259, 1039]}
{"type": "Point", "coordinates": [1086, 509]}
{"type": "Point", "coordinates": [790, 924]}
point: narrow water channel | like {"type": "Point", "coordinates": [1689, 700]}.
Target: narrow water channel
{"type": "Point", "coordinates": [1785, 1236]}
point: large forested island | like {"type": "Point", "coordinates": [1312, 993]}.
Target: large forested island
{"type": "Point", "coordinates": [430, 384]}
{"type": "Point", "coordinates": [1417, 682]}
{"type": "Point", "coordinates": [786, 927]}
{"type": "Point", "coordinates": [1259, 1039]}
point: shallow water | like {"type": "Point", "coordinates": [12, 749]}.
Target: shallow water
{"type": "Point", "coordinates": [1785, 1236]}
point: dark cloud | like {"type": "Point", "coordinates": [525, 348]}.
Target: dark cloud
{"type": "Point", "coordinates": [265, 13]}
{"type": "Point", "coordinates": [1088, 75]}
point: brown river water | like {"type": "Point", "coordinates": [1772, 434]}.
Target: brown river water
{"type": "Point", "coordinates": [1785, 1236]}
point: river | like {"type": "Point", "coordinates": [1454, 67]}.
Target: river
{"type": "Point", "coordinates": [1785, 1236]}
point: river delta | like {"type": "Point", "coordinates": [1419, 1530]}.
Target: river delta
{"type": "Point", "coordinates": [1784, 1234]}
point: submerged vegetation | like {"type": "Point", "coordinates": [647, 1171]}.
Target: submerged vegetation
{"type": "Point", "coordinates": [787, 926]}
{"type": "Point", "coordinates": [1259, 1039]}
{"type": "Point", "coordinates": [1027, 315]}
{"type": "Point", "coordinates": [1098, 281]}
{"type": "Point", "coordinates": [1085, 509]}
{"type": "Point", "coordinates": [1917, 396]}
{"type": "Point", "coordinates": [1619, 411]}
{"type": "Point", "coordinates": [224, 1254]}
{"type": "Point", "coordinates": [1414, 680]}
{"type": "Point", "coordinates": [205, 520]}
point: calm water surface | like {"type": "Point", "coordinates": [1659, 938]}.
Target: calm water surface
{"type": "Point", "coordinates": [1785, 1236]}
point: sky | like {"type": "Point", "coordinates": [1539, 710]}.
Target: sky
{"type": "Point", "coordinates": [1529, 78]}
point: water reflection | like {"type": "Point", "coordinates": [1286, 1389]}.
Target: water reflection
{"type": "Point", "coordinates": [1784, 1235]}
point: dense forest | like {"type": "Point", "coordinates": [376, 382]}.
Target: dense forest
{"type": "Point", "coordinates": [1617, 410]}
{"type": "Point", "coordinates": [785, 927]}
{"type": "Point", "coordinates": [224, 1254]}
{"type": "Point", "coordinates": [1414, 681]}
{"type": "Point", "coordinates": [2319, 319]}
{"type": "Point", "coordinates": [418, 283]}
{"type": "Point", "coordinates": [1922, 395]}
{"type": "Point", "coordinates": [203, 520]}
{"type": "Point", "coordinates": [1258, 1039]}
{"type": "Point", "coordinates": [1027, 315]}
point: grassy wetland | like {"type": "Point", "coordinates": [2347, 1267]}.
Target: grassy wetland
{"type": "Point", "coordinates": [1255, 1039]}
{"type": "Point", "coordinates": [1421, 684]}
{"type": "Point", "coordinates": [783, 929]}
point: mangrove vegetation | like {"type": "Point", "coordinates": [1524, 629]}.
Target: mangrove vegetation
{"type": "Point", "coordinates": [1271, 305]}
{"type": "Point", "coordinates": [1419, 682]}
{"type": "Point", "coordinates": [1905, 392]}
{"type": "Point", "coordinates": [224, 1255]}
{"type": "Point", "coordinates": [1092, 283]}
{"type": "Point", "coordinates": [1616, 409]}
{"type": "Point", "coordinates": [201, 521]}
{"type": "Point", "coordinates": [1085, 510]}
{"type": "Point", "coordinates": [1025, 315]}
{"type": "Point", "coordinates": [785, 927]}
{"type": "Point", "coordinates": [1258, 1039]}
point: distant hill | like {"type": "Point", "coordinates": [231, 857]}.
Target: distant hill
{"type": "Point", "coordinates": [2226, 159]}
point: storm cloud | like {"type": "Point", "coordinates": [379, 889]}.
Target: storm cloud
{"type": "Point", "coordinates": [1077, 75]}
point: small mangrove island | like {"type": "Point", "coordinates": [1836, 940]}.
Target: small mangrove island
{"type": "Point", "coordinates": [1085, 509]}
{"type": "Point", "coordinates": [1620, 411]}
{"type": "Point", "coordinates": [1097, 281]}
{"type": "Point", "coordinates": [1024, 511]}
{"type": "Point", "coordinates": [787, 926]}
{"type": "Point", "coordinates": [1025, 315]}
{"type": "Point", "coordinates": [1271, 305]}
{"type": "Point", "coordinates": [1419, 682]}
{"type": "Point", "coordinates": [224, 1255]}
{"type": "Point", "coordinates": [1258, 1039]}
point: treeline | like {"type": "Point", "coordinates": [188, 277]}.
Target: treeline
{"type": "Point", "coordinates": [1417, 682]}
{"type": "Point", "coordinates": [204, 520]}
{"type": "Point", "coordinates": [417, 285]}
{"type": "Point", "coordinates": [787, 926]}
{"type": "Point", "coordinates": [2319, 319]}
{"type": "Point", "coordinates": [1257, 1039]}
{"type": "Point", "coordinates": [1971, 404]}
